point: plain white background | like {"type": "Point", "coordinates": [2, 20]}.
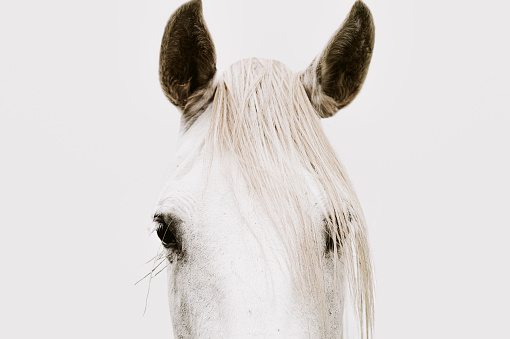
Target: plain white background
{"type": "Point", "coordinates": [86, 139]}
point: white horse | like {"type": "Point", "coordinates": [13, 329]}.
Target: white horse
{"type": "Point", "coordinates": [262, 230]}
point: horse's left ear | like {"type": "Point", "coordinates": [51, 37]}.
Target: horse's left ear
{"type": "Point", "coordinates": [187, 60]}
{"type": "Point", "coordinates": [334, 79]}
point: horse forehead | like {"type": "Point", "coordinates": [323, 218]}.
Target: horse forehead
{"type": "Point", "coordinates": [211, 195]}
{"type": "Point", "coordinates": [198, 187]}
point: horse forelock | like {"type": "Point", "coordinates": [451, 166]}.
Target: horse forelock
{"type": "Point", "coordinates": [263, 121]}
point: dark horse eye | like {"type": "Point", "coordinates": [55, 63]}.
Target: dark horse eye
{"type": "Point", "coordinates": [166, 232]}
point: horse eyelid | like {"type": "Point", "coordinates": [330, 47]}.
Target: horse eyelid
{"type": "Point", "coordinates": [158, 219]}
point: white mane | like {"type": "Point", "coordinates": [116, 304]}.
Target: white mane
{"type": "Point", "coordinates": [264, 121]}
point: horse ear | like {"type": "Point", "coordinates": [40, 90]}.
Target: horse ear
{"type": "Point", "coordinates": [187, 60]}
{"type": "Point", "coordinates": [334, 79]}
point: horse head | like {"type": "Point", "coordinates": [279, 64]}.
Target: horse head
{"type": "Point", "coordinates": [263, 233]}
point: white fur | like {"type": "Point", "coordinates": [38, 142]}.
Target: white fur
{"type": "Point", "coordinates": [254, 262]}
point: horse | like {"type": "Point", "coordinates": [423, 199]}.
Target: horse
{"type": "Point", "coordinates": [260, 226]}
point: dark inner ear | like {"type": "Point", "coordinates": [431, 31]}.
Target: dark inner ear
{"type": "Point", "coordinates": [344, 64]}
{"type": "Point", "coordinates": [187, 58]}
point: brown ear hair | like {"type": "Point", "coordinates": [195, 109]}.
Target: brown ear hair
{"type": "Point", "coordinates": [334, 79]}
{"type": "Point", "coordinates": [187, 59]}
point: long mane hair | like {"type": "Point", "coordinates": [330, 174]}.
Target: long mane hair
{"type": "Point", "coordinates": [263, 120]}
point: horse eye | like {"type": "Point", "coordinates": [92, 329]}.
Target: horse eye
{"type": "Point", "coordinates": [165, 233]}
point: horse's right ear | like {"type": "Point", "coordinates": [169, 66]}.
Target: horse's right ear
{"type": "Point", "coordinates": [187, 60]}
{"type": "Point", "coordinates": [334, 78]}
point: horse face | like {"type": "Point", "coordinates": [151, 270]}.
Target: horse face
{"type": "Point", "coordinates": [228, 274]}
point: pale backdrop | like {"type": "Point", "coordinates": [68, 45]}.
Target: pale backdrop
{"type": "Point", "coordinates": [86, 138]}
